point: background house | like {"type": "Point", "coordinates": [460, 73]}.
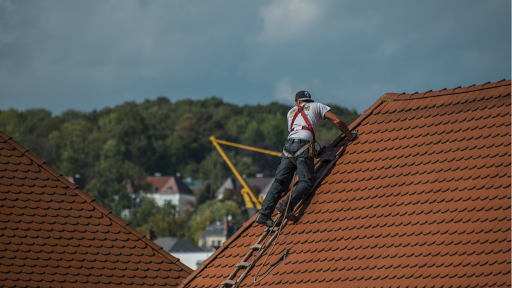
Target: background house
{"type": "Point", "coordinates": [258, 185]}
{"type": "Point", "coordinates": [188, 253]}
{"type": "Point", "coordinates": [170, 188]}
{"type": "Point", "coordinates": [216, 234]}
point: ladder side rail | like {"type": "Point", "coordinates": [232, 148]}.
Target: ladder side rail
{"type": "Point", "coordinates": [257, 257]}
{"type": "Point", "coordinates": [264, 235]}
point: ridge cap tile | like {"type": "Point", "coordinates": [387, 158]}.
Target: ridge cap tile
{"type": "Point", "coordinates": [89, 199]}
{"type": "Point", "coordinates": [17, 146]}
{"type": "Point", "coordinates": [34, 158]}
{"type": "Point", "coordinates": [5, 136]}
{"type": "Point", "coordinates": [67, 182]}
{"type": "Point", "coordinates": [51, 170]}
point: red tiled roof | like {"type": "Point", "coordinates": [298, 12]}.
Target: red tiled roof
{"type": "Point", "coordinates": [163, 182]}
{"type": "Point", "coordinates": [52, 234]}
{"type": "Point", "coordinates": [421, 198]}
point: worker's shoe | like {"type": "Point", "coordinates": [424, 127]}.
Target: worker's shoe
{"type": "Point", "coordinates": [264, 220]}
{"type": "Point", "coordinates": [281, 207]}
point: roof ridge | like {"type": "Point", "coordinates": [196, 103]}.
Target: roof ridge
{"type": "Point", "coordinates": [443, 92]}
{"type": "Point", "coordinates": [108, 213]}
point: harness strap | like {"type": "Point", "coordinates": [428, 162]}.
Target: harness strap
{"type": "Point", "coordinates": [293, 157]}
{"type": "Point", "coordinates": [305, 117]}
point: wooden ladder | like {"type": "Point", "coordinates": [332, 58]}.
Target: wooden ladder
{"type": "Point", "coordinates": [258, 246]}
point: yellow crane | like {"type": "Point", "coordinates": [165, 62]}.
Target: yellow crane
{"type": "Point", "coordinates": [251, 201]}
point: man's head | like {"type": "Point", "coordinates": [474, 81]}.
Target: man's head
{"type": "Point", "coordinates": [302, 97]}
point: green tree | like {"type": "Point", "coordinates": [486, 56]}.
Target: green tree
{"type": "Point", "coordinates": [112, 176]}
{"type": "Point", "coordinates": [80, 144]}
{"type": "Point", "coordinates": [209, 212]}
{"type": "Point", "coordinates": [144, 207]}
{"type": "Point", "coordinates": [165, 226]}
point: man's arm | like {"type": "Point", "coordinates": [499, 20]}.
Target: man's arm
{"type": "Point", "coordinates": [340, 124]}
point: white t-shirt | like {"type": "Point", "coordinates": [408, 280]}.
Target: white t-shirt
{"type": "Point", "coordinates": [314, 111]}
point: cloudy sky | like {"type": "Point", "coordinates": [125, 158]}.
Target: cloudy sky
{"type": "Point", "coordinates": [84, 55]}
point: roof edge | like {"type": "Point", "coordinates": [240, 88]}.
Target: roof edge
{"type": "Point", "coordinates": [58, 177]}
{"type": "Point", "coordinates": [443, 92]}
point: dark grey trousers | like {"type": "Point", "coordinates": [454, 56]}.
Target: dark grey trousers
{"type": "Point", "coordinates": [284, 175]}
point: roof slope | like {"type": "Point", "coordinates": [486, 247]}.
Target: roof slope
{"type": "Point", "coordinates": [421, 198]}
{"type": "Point", "coordinates": [52, 234]}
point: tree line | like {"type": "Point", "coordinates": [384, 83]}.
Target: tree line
{"type": "Point", "coordinates": [112, 147]}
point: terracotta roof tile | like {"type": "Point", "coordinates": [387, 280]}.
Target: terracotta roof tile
{"type": "Point", "coordinates": [52, 234]}
{"type": "Point", "coordinates": [421, 198]}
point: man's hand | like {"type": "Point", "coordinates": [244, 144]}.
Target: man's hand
{"type": "Point", "coordinates": [340, 124]}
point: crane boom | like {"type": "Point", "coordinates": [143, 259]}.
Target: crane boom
{"type": "Point", "coordinates": [248, 195]}
{"type": "Point", "coordinates": [278, 154]}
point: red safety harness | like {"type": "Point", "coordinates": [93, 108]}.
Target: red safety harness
{"type": "Point", "coordinates": [309, 127]}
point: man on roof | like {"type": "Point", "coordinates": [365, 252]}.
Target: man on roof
{"type": "Point", "coordinates": [298, 154]}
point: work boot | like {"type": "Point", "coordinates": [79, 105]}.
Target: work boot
{"type": "Point", "coordinates": [281, 207]}
{"type": "Point", "coordinates": [264, 220]}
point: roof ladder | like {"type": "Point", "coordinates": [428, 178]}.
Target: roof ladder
{"type": "Point", "coordinates": [259, 246]}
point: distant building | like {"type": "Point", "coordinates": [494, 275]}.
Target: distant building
{"type": "Point", "coordinates": [170, 188]}
{"type": "Point", "coordinates": [176, 245]}
{"type": "Point", "coordinates": [215, 234]}
{"type": "Point", "coordinates": [193, 184]}
{"type": "Point", "coordinates": [258, 185]}
{"type": "Point", "coordinates": [188, 253]}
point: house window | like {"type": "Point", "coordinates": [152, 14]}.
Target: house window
{"type": "Point", "coordinates": [169, 189]}
{"type": "Point", "coordinates": [155, 188]}
{"type": "Point", "coordinates": [218, 243]}
{"type": "Point", "coordinates": [213, 243]}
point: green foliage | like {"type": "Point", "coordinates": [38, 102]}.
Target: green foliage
{"type": "Point", "coordinates": [207, 213]}
{"type": "Point", "coordinates": [165, 227]}
{"type": "Point", "coordinates": [205, 194]}
{"type": "Point", "coordinates": [146, 215]}
{"type": "Point", "coordinates": [144, 207]}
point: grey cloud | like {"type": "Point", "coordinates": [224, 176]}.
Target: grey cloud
{"type": "Point", "coordinates": [89, 54]}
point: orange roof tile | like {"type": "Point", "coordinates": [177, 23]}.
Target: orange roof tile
{"type": "Point", "coordinates": [421, 198]}
{"type": "Point", "coordinates": [54, 235]}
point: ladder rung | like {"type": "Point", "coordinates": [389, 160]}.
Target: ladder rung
{"type": "Point", "coordinates": [271, 229]}
{"type": "Point", "coordinates": [256, 246]}
{"type": "Point", "coordinates": [243, 264]}
{"type": "Point", "coordinates": [228, 282]}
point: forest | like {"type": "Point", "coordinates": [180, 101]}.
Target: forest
{"type": "Point", "coordinates": [112, 147]}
